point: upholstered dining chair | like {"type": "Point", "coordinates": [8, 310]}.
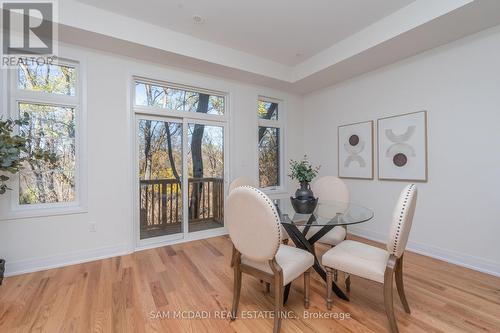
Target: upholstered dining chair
{"type": "Point", "coordinates": [243, 181]}
{"type": "Point", "coordinates": [373, 263]}
{"type": "Point", "coordinates": [240, 181]}
{"type": "Point", "coordinates": [330, 189]}
{"type": "Point", "coordinates": [254, 228]}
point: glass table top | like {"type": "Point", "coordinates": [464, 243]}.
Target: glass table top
{"type": "Point", "coordinates": [331, 213]}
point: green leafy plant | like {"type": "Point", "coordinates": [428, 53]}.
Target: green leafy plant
{"type": "Point", "coordinates": [302, 170]}
{"type": "Point", "coordinates": [14, 150]}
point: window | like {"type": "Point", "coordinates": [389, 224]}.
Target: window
{"type": "Point", "coordinates": [48, 96]}
{"type": "Point", "coordinates": [269, 143]}
{"type": "Point", "coordinates": [177, 99]}
{"type": "Point", "coordinates": [52, 79]}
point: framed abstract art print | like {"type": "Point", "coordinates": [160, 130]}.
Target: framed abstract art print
{"type": "Point", "coordinates": [402, 147]}
{"type": "Point", "coordinates": [355, 150]}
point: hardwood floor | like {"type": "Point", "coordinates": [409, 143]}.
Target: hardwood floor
{"type": "Point", "coordinates": [134, 293]}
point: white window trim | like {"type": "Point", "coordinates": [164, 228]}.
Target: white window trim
{"type": "Point", "coordinates": [13, 96]}
{"type": "Point", "coordinates": [279, 123]}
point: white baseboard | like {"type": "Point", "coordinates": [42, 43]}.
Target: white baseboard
{"type": "Point", "coordinates": [460, 259]}
{"type": "Point", "coordinates": [40, 264]}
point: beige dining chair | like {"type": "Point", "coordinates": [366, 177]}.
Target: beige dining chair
{"type": "Point", "coordinates": [240, 181]}
{"type": "Point", "coordinates": [373, 263]}
{"type": "Point", "coordinates": [243, 181]}
{"type": "Point", "coordinates": [254, 229]}
{"type": "Point", "coordinates": [330, 189]}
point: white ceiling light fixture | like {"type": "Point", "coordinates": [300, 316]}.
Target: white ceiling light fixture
{"type": "Point", "coordinates": [197, 19]}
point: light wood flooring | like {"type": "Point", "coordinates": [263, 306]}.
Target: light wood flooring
{"type": "Point", "coordinates": [134, 293]}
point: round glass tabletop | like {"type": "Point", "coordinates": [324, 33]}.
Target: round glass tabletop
{"type": "Point", "coordinates": [331, 213]}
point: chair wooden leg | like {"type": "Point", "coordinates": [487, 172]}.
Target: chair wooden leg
{"type": "Point", "coordinates": [307, 284]}
{"type": "Point", "coordinates": [329, 284]}
{"type": "Point", "coordinates": [348, 282]}
{"type": "Point", "coordinates": [399, 284]}
{"type": "Point", "coordinates": [388, 299]}
{"type": "Point", "coordinates": [237, 286]}
{"type": "Point", "coordinates": [278, 303]}
{"type": "Point", "coordinates": [233, 256]}
{"type": "Point", "coordinates": [278, 294]}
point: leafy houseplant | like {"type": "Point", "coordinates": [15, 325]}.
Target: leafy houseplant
{"type": "Point", "coordinates": [14, 150]}
{"type": "Point", "coordinates": [304, 201]}
{"type": "Point", "coordinates": [304, 172]}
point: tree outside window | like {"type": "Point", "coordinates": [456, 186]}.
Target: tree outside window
{"type": "Point", "coordinates": [269, 146]}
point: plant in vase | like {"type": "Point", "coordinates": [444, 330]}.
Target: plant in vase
{"type": "Point", "coordinates": [14, 150]}
{"type": "Point", "coordinates": [304, 172]}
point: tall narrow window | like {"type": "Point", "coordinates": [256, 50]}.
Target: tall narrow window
{"type": "Point", "coordinates": [269, 143]}
{"type": "Point", "coordinates": [47, 96]}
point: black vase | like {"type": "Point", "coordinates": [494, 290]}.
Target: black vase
{"type": "Point", "coordinates": [304, 206]}
{"type": "Point", "coordinates": [304, 192]}
{"type": "Point", "coordinates": [304, 201]}
{"type": "Point", "coordinates": [2, 270]}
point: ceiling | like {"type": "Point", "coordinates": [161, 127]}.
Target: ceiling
{"type": "Point", "coordinates": [291, 45]}
{"type": "Point", "coordinates": [284, 31]}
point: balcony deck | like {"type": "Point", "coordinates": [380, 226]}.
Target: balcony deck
{"type": "Point", "coordinates": [161, 206]}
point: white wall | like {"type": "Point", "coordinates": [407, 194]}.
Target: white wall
{"type": "Point", "coordinates": [458, 213]}
{"type": "Point", "coordinates": [457, 216]}
{"type": "Point", "coordinates": [35, 243]}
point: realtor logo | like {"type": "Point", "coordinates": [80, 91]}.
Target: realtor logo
{"type": "Point", "coordinates": [27, 28]}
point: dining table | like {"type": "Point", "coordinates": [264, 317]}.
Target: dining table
{"type": "Point", "coordinates": [306, 229]}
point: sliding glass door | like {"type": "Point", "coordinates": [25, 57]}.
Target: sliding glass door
{"type": "Point", "coordinates": [173, 155]}
{"type": "Point", "coordinates": [206, 176]}
{"type": "Point", "coordinates": [159, 174]}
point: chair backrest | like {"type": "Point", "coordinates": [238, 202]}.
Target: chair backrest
{"type": "Point", "coordinates": [240, 181]}
{"type": "Point", "coordinates": [253, 223]}
{"type": "Point", "coordinates": [330, 188]}
{"type": "Point", "coordinates": [402, 221]}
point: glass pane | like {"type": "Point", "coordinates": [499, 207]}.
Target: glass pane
{"type": "Point", "coordinates": [55, 79]}
{"type": "Point", "coordinates": [160, 168]}
{"type": "Point", "coordinates": [269, 156]}
{"type": "Point", "coordinates": [178, 99]}
{"type": "Point", "coordinates": [206, 177]}
{"type": "Point", "coordinates": [267, 110]}
{"type": "Point", "coordinates": [52, 129]}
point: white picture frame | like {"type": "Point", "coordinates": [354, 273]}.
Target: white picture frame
{"type": "Point", "coordinates": [355, 150]}
{"type": "Point", "coordinates": [402, 147]}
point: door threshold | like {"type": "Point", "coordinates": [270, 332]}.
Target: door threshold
{"type": "Point", "coordinates": [194, 236]}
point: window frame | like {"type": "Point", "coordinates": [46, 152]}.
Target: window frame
{"type": "Point", "coordinates": [279, 123]}
{"type": "Point", "coordinates": [16, 95]}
